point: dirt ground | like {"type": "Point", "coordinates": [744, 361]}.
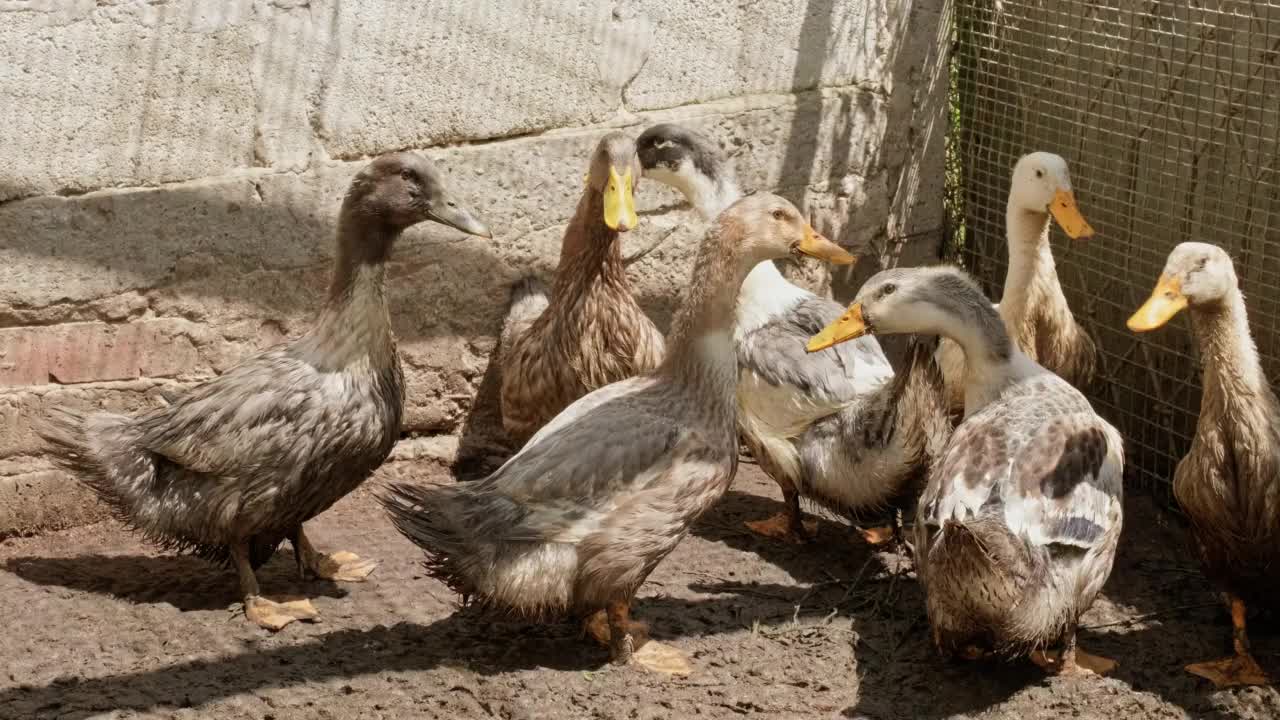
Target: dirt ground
{"type": "Point", "coordinates": [98, 625]}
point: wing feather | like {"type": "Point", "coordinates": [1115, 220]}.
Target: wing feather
{"type": "Point", "coordinates": [1042, 459]}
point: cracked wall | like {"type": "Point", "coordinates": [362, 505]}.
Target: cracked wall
{"type": "Point", "coordinates": [172, 170]}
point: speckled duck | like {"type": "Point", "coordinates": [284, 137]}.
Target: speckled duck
{"type": "Point", "coordinates": [236, 465]}
{"type": "Point", "coordinates": [577, 520]}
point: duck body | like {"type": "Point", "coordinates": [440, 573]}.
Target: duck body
{"type": "Point", "coordinates": [232, 467]}
{"type": "Point", "coordinates": [876, 453]}
{"type": "Point", "coordinates": [825, 426]}
{"type": "Point", "coordinates": [1017, 528]}
{"type": "Point", "coordinates": [1021, 519]}
{"type": "Point", "coordinates": [248, 456]}
{"type": "Point", "coordinates": [588, 331]}
{"type": "Point", "coordinates": [1228, 484]}
{"type": "Point", "coordinates": [579, 517]}
{"type": "Point", "coordinates": [548, 534]}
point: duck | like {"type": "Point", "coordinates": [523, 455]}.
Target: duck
{"type": "Point", "coordinates": [234, 466]}
{"type": "Point", "coordinates": [1034, 310]}
{"type": "Point", "coordinates": [587, 331]}
{"type": "Point", "coordinates": [576, 520]}
{"type": "Point", "coordinates": [1017, 528]}
{"type": "Point", "coordinates": [838, 428]}
{"type": "Point", "coordinates": [1228, 483]}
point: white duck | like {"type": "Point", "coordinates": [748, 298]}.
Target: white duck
{"type": "Point", "coordinates": [1033, 308]}
{"type": "Point", "coordinates": [831, 427]}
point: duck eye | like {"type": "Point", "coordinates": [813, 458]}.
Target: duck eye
{"type": "Point", "coordinates": [779, 215]}
{"type": "Point", "coordinates": [1039, 173]}
{"type": "Point", "coordinates": [1200, 264]}
{"type": "Point", "coordinates": [406, 173]}
{"type": "Point", "coordinates": [888, 289]}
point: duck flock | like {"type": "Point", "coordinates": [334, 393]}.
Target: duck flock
{"type": "Point", "coordinates": [1009, 482]}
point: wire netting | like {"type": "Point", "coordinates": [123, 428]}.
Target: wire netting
{"type": "Point", "coordinates": [1168, 114]}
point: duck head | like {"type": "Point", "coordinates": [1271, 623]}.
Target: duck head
{"type": "Point", "coordinates": [1042, 184]}
{"type": "Point", "coordinates": [922, 300]}
{"type": "Point", "coordinates": [613, 173]}
{"type": "Point", "coordinates": [1196, 275]}
{"type": "Point", "coordinates": [689, 162]}
{"type": "Point", "coordinates": [401, 189]}
{"type": "Point", "coordinates": [764, 226]}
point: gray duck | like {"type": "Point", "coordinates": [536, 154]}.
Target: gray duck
{"type": "Point", "coordinates": [1229, 482]}
{"type": "Point", "coordinates": [836, 427]}
{"type": "Point", "coordinates": [575, 521]}
{"type": "Point", "coordinates": [1017, 529]}
{"type": "Point", "coordinates": [237, 464]}
{"type": "Point", "coordinates": [588, 331]}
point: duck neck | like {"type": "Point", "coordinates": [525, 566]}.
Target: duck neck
{"type": "Point", "coordinates": [700, 349]}
{"type": "Point", "coordinates": [710, 197]}
{"type": "Point", "coordinates": [1232, 372]}
{"type": "Point", "coordinates": [590, 254]}
{"type": "Point", "coordinates": [992, 361]}
{"type": "Point", "coordinates": [765, 293]}
{"type": "Point", "coordinates": [1031, 282]}
{"type": "Point", "coordinates": [355, 323]}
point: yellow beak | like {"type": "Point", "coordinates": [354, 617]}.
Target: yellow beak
{"type": "Point", "coordinates": [815, 245]}
{"type": "Point", "coordinates": [1166, 301]}
{"type": "Point", "coordinates": [619, 204]}
{"type": "Point", "coordinates": [847, 327]}
{"type": "Point", "coordinates": [1068, 215]}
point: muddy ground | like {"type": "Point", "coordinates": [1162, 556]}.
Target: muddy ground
{"type": "Point", "coordinates": [97, 624]}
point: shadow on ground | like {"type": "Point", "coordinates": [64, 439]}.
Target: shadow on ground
{"type": "Point", "coordinates": [183, 581]}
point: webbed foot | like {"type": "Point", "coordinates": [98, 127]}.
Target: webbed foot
{"type": "Point", "coordinates": [628, 641]}
{"type": "Point", "coordinates": [971, 653]}
{"type": "Point", "coordinates": [1234, 671]}
{"type": "Point", "coordinates": [341, 566]}
{"type": "Point", "coordinates": [1074, 662]}
{"type": "Point", "coordinates": [662, 658]}
{"type": "Point", "coordinates": [876, 536]}
{"type": "Point", "coordinates": [785, 527]}
{"type": "Point", "coordinates": [274, 615]}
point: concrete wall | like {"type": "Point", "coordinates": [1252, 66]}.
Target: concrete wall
{"type": "Point", "coordinates": [170, 173]}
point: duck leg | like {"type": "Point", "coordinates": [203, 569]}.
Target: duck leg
{"type": "Point", "coordinates": [341, 566]}
{"type": "Point", "coordinates": [1239, 669]}
{"type": "Point", "coordinates": [1072, 660]}
{"type": "Point", "coordinates": [628, 641]}
{"type": "Point", "coordinates": [788, 525]}
{"type": "Point", "coordinates": [269, 614]}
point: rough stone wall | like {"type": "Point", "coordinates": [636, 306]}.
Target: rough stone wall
{"type": "Point", "coordinates": [170, 173]}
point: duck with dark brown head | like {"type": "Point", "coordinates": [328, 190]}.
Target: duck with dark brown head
{"type": "Point", "coordinates": [236, 465]}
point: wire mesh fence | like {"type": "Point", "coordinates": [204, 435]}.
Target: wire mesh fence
{"type": "Point", "coordinates": [1169, 116]}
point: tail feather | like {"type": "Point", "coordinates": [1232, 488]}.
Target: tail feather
{"type": "Point", "coordinates": [976, 576]}
{"type": "Point", "coordinates": [417, 512]}
{"type": "Point", "coordinates": [72, 436]}
{"type": "Point", "coordinates": [102, 451]}
{"type": "Point", "coordinates": [529, 299]}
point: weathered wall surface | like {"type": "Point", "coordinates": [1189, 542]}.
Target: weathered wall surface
{"type": "Point", "coordinates": [171, 172]}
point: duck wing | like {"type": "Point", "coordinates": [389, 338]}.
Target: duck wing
{"type": "Point", "coordinates": [1041, 459]}
{"type": "Point", "coordinates": [783, 379]}
{"type": "Point", "coordinates": [617, 450]}
{"type": "Point", "coordinates": [272, 414]}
